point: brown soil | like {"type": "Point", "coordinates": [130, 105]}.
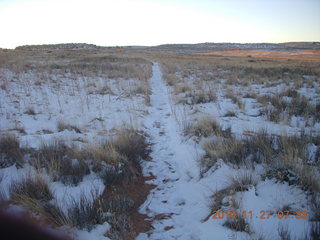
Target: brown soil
{"type": "Point", "coordinates": [137, 190]}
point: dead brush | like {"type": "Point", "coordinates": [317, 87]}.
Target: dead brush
{"type": "Point", "coordinates": [238, 152]}
{"type": "Point", "coordinates": [201, 94]}
{"type": "Point", "coordinates": [132, 144]}
{"type": "Point", "coordinates": [237, 224]}
{"type": "Point", "coordinates": [30, 111]}
{"type": "Point", "coordinates": [114, 159]}
{"type": "Point", "coordinates": [61, 162]}
{"type": "Point", "coordinates": [10, 151]}
{"type": "Point", "coordinates": [72, 171]}
{"type": "Point", "coordinates": [171, 79]}
{"type": "Point", "coordinates": [81, 213]}
{"type": "Point", "coordinates": [86, 212]}
{"type": "Point", "coordinates": [121, 227]}
{"type": "Point", "coordinates": [65, 126]}
{"type": "Point", "coordinates": [277, 109]}
{"type": "Point", "coordinates": [30, 189]}
{"type": "Point", "coordinates": [49, 157]}
{"type": "Point", "coordinates": [242, 182]}
{"type": "Point", "coordinates": [204, 127]}
{"type": "Point", "coordinates": [105, 152]}
{"type": "Point", "coordinates": [236, 100]}
{"type": "Point", "coordinates": [182, 88]}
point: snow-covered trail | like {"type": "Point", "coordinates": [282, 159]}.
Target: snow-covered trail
{"type": "Point", "coordinates": [179, 202]}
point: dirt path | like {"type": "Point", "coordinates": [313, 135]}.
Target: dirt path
{"type": "Point", "coordinates": [171, 205]}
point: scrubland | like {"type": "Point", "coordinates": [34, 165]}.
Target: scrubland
{"type": "Point", "coordinates": [260, 117]}
{"type": "Point", "coordinates": [74, 147]}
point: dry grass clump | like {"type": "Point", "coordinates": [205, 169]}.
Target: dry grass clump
{"type": "Point", "coordinates": [171, 79]}
{"type": "Point", "coordinates": [204, 127]}
{"type": "Point", "coordinates": [236, 152]}
{"type": "Point", "coordinates": [30, 111]}
{"type": "Point", "coordinates": [113, 159]}
{"type": "Point", "coordinates": [132, 144]}
{"type": "Point", "coordinates": [121, 227]}
{"type": "Point", "coordinates": [239, 183]}
{"type": "Point", "coordinates": [128, 144]}
{"type": "Point", "coordinates": [72, 171]}
{"type": "Point", "coordinates": [82, 213]}
{"type": "Point", "coordinates": [235, 99]}
{"type": "Point", "coordinates": [242, 182]}
{"type": "Point", "coordinates": [65, 126]}
{"type": "Point", "coordinates": [237, 224]}
{"type": "Point", "coordinates": [10, 151]}
{"type": "Point", "coordinates": [285, 158]}
{"type": "Point", "coordinates": [277, 109]}
{"type": "Point", "coordinates": [200, 96]}
{"type": "Point", "coordinates": [28, 190]}
{"type": "Point", "coordinates": [61, 162]}
{"type": "Point", "coordinates": [87, 211]}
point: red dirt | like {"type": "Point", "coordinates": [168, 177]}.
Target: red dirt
{"type": "Point", "coordinates": [302, 55]}
{"type": "Point", "coordinates": [136, 190]}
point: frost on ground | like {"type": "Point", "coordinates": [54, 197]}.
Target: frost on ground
{"type": "Point", "coordinates": [234, 144]}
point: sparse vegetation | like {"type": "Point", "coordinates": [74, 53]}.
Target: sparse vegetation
{"type": "Point", "coordinates": [30, 111]}
{"type": "Point", "coordinates": [107, 86]}
{"type": "Point", "coordinates": [64, 126]}
{"type": "Point", "coordinates": [10, 151]}
{"type": "Point", "coordinates": [204, 127]}
{"type": "Point", "coordinates": [30, 190]}
{"type": "Point", "coordinates": [238, 224]}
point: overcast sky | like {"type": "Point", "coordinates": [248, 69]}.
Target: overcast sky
{"type": "Point", "coordinates": [154, 22]}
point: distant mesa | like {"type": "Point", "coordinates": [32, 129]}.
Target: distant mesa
{"type": "Point", "coordinates": [67, 46]}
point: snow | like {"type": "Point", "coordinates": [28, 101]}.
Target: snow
{"type": "Point", "coordinates": [96, 234]}
{"type": "Point", "coordinates": [180, 204]}
{"type": "Point", "coordinates": [182, 199]}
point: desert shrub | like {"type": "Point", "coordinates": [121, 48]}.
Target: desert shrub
{"type": "Point", "coordinates": [205, 127]}
{"type": "Point", "coordinates": [201, 96]}
{"type": "Point", "coordinates": [10, 151]}
{"type": "Point", "coordinates": [114, 159]}
{"type": "Point", "coordinates": [109, 173]}
{"type": "Point", "coordinates": [182, 88]}
{"type": "Point", "coordinates": [105, 90]}
{"type": "Point", "coordinates": [276, 108]}
{"type": "Point", "coordinates": [50, 157]}
{"type": "Point", "coordinates": [30, 188]}
{"type": "Point", "coordinates": [291, 93]}
{"type": "Point", "coordinates": [121, 227]}
{"type": "Point", "coordinates": [30, 111]}
{"type": "Point", "coordinates": [64, 126]}
{"type": "Point", "coordinates": [242, 182]}
{"type": "Point", "coordinates": [238, 152]}
{"type": "Point", "coordinates": [230, 114]}
{"type": "Point", "coordinates": [84, 213]}
{"type": "Point", "coordinates": [72, 171]}
{"type": "Point", "coordinates": [285, 152]}
{"type": "Point", "coordinates": [62, 163]}
{"type": "Point", "coordinates": [105, 153]}
{"type": "Point", "coordinates": [171, 79]}
{"type": "Point", "coordinates": [55, 214]}
{"type": "Point", "coordinates": [132, 144]}
{"type": "Point", "coordinates": [237, 224]}
{"type": "Point", "coordinates": [234, 98]}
